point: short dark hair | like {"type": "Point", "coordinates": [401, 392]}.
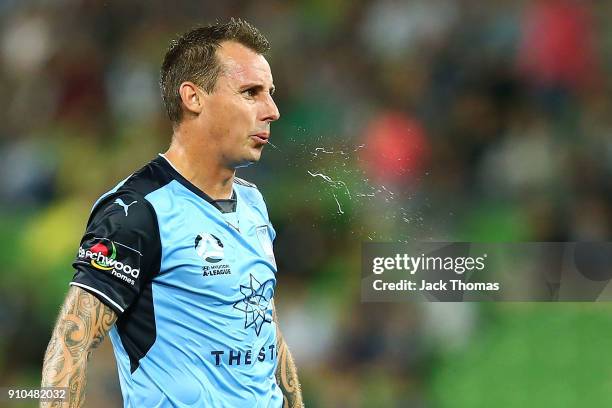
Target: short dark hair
{"type": "Point", "coordinates": [192, 57]}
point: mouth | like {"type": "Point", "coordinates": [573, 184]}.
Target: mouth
{"type": "Point", "coordinates": [261, 138]}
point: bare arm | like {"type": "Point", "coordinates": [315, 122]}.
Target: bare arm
{"type": "Point", "coordinates": [286, 372]}
{"type": "Point", "coordinates": [82, 324]}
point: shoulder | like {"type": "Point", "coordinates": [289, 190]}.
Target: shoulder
{"type": "Point", "coordinates": [128, 197]}
{"type": "Point", "coordinates": [243, 182]}
{"type": "Point", "coordinates": [249, 191]}
{"type": "Point", "coordinates": [124, 210]}
{"type": "Point", "coordinates": [125, 222]}
{"type": "Point", "coordinates": [147, 179]}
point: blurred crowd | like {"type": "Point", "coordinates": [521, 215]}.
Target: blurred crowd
{"type": "Point", "coordinates": [449, 120]}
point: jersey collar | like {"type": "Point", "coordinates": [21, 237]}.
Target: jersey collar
{"type": "Point", "coordinates": [224, 205]}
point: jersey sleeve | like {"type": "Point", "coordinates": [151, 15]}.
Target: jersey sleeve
{"type": "Point", "coordinates": [120, 251]}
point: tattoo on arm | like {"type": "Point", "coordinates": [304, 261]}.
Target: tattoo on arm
{"type": "Point", "coordinates": [82, 324]}
{"type": "Point", "coordinates": [286, 372]}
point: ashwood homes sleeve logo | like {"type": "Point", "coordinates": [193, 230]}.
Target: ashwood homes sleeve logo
{"type": "Point", "coordinates": [106, 256]}
{"type": "Point", "coordinates": [255, 303]}
{"type": "Point", "coordinates": [103, 255]}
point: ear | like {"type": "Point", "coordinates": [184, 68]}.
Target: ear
{"type": "Point", "coordinates": [191, 97]}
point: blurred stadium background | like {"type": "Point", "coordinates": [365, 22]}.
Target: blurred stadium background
{"type": "Point", "coordinates": [435, 120]}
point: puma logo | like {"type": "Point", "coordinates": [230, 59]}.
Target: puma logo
{"type": "Point", "coordinates": [124, 205]}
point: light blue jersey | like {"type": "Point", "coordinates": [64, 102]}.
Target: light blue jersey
{"type": "Point", "coordinates": [192, 280]}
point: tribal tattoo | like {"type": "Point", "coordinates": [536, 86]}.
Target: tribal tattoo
{"type": "Point", "coordinates": [82, 325]}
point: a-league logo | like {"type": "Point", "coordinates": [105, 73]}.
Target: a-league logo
{"type": "Point", "coordinates": [209, 247]}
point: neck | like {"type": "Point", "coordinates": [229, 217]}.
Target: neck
{"type": "Point", "coordinates": [203, 172]}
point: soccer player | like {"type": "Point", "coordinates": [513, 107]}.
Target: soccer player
{"type": "Point", "coordinates": [176, 263]}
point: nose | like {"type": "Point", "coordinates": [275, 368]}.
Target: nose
{"type": "Point", "coordinates": [270, 112]}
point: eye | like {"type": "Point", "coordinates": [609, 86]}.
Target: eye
{"type": "Point", "coordinates": [251, 92]}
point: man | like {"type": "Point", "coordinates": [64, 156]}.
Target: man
{"type": "Point", "coordinates": [176, 263]}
